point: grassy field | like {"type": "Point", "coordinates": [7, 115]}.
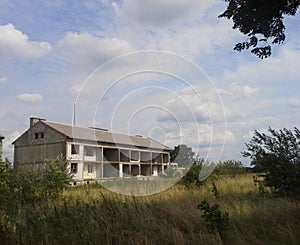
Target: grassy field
{"type": "Point", "coordinates": [90, 214]}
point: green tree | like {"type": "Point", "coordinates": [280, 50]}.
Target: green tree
{"type": "Point", "coordinates": [183, 155]}
{"type": "Point", "coordinates": [261, 21]}
{"type": "Point", "coordinates": [277, 155]}
{"type": "Point", "coordinates": [55, 177]}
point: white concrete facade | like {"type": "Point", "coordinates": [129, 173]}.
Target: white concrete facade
{"type": "Point", "coordinates": [92, 162]}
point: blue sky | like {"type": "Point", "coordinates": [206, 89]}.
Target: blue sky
{"type": "Point", "coordinates": [48, 49]}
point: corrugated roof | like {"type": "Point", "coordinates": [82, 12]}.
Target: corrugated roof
{"type": "Point", "coordinates": [89, 134]}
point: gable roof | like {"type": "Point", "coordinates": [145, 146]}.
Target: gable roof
{"type": "Point", "coordinates": [89, 134]}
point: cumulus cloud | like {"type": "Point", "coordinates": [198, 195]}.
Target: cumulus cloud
{"type": "Point", "coordinates": [156, 12]}
{"type": "Point", "coordinates": [86, 50]}
{"type": "Point", "coordinates": [236, 91]}
{"type": "Point", "coordinates": [265, 92]}
{"type": "Point", "coordinates": [27, 97]}
{"type": "Point", "coordinates": [176, 26]}
{"type": "Point", "coordinates": [281, 67]}
{"type": "Point", "coordinates": [15, 43]}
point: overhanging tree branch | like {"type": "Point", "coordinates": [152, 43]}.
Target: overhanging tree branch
{"type": "Point", "coordinates": [257, 18]}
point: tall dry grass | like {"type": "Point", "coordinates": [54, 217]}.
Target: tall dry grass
{"type": "Point", "coordinates": [90, 214]}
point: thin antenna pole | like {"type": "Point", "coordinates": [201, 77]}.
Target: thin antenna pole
{"type": "Point", "coordinates": [74, 115]}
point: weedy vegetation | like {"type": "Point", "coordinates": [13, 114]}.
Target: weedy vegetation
{"type": "Point", "coordinates": [233, 213]}
{"type": "Point", "coordinates": [231, 206]}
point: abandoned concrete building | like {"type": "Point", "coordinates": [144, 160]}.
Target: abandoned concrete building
{"type": "Point", "coordinates": [92, 153]}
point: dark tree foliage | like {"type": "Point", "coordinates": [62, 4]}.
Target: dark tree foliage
{"type": "Point", "coordinates": [262, 21]}
{"type": "Point", "coordinates": [214, 218]}
{"type": "Point", "coordinates": [191, 178]}
{"type": "Point", "coordinates": [277, 155]}
{"type": "Point", "coordinates": [183, 155]}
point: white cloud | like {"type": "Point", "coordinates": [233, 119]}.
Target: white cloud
{"type": "Point", "coordinates": [279, 68]}
{"type": "Point", "coordinates": [15, 43]}
{"type": "Point", "coordinates": [236, 91]}
{"type": "Point", "coordinates": [88, 51]}
{"type": "Point", "coordinates": [27, 97]}
{"type": "Point", "coordinates": [195, 40]}
{"type": "Point", "coordinates": [190, 28]}
{"type": "Point", "coordinates": [156, 12]}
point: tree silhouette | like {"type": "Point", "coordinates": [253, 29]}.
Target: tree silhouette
{"type": "Point", "coordinates": [277, 155]}
{"type": "Point", "coordinates": [183, 155]}
{"type": "Point", "coordinates": [261, 21]}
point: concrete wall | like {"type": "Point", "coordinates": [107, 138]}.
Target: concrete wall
{"type": "Point", "coordinates": [38, 153]}
{"type": "Point", "coordinates": [48, 144]}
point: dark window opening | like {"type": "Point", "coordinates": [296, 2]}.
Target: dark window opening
{"type": "Point", "coordinates": [135, 156]}
{"type": "Point", "coordinates": [145, 157]}
{"type": "Point", "coordinates": [74, 149]}
{"type": "Point", "coordinates": [156, 157]}
{"type": "Point", "coordinates": [39, 136]}
{"type": "Point", "coordinates": [165, 158]}
{"type": "Point", "coordinates": [124, 155]}
{"type": "Point", "coordinates": [110, 154]}
{"type": "Point", "coordinates": [89, 151]}
{"type": "Point", "coordinates": [74, 168]}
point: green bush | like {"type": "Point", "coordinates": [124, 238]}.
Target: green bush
{"type": "Point", "coordinates": [277, 156]}
{"type": "Point", "coordinates": [54, 177]}
{"type": "Point", "coordinates": [191, 178]}
{"type": "Point", "coordinates": [214, 218]}
{"type": "Point", "coordinates": [28, 185]}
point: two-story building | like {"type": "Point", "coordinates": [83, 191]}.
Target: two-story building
{"type": "Point", "coordinates": [92, 153]}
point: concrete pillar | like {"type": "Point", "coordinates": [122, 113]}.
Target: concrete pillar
{"type": "Point", "coordinates": [80, 170]}
{"type": "Point", "coordinates": [120, 170]}
{"type": "Point", "coordinates": [155, 172]}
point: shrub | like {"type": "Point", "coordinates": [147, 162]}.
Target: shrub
{"type": "Point", "coordinates": [191, 178]}
{"type": "Point", "coordinates": [277, 156]}
{"type": "Point", "coordinates": [28, 185]}
{"type": "Point", "coordinates": [214, 218]}
{"type": "Point", "coordinates": [55, 177]}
